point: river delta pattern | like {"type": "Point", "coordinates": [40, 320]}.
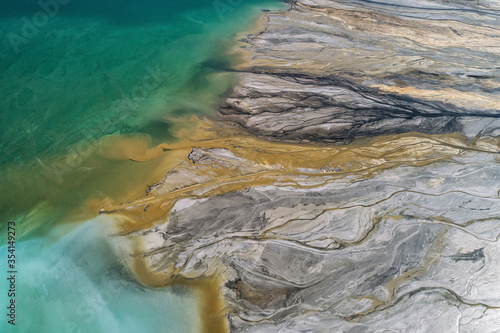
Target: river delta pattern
{"type": "Point", "coordinates": [348, 184]}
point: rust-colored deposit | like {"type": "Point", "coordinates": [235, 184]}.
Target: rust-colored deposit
{"type": "Point", "coordinates": [268, 163]}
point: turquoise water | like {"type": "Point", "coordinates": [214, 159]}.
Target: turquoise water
{"type": "Point", "coordinates": [78, 285]}
{"type": "Point", "coordinates": [71, 73]}
{"type": "Point", "coordinates": [61, 84]}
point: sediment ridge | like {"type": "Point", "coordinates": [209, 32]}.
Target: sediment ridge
{"type": "Point", "coordinates": [332, 71]}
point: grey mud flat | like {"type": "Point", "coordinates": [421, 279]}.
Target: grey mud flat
{"type": "Point", "coordinates": [412, 249]}
{"type": "Point", "coordinates": [333, 71]}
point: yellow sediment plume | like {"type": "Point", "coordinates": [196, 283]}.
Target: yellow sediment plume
{"type": "Point", "coordinates": [272, 163]}
{"type": "Point", "coordinates": [135, 147]}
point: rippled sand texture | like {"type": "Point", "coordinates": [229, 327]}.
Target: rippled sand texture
{"type": "Point", "coordinates": [367, 198]}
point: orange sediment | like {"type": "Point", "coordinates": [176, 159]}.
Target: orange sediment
{"type": "Point", "coordinates": [272, 163]}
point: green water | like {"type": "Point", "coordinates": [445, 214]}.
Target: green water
{"type": "Point", "coordinates": [71, 73]}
